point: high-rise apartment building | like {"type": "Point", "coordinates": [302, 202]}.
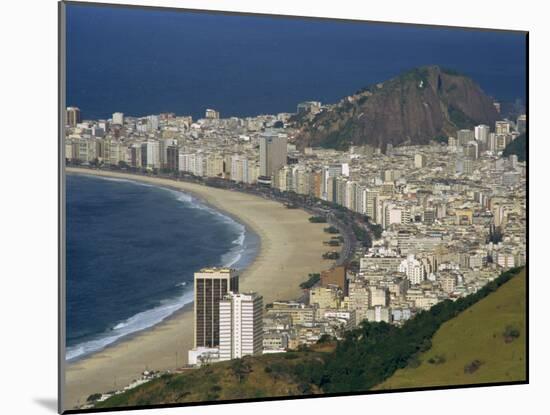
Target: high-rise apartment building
{"type": "Point", "coordinates": [521, 124]}
{"type": "Point", "coordinates": [273, 153]}
{"type": "Point", "coordinates": [73, 116]}
{"type": "Point", "coordinates": [481, 133]}
{"type": "Point", "coordinates": [241, 325]}
{"type": "Point", "coordinates": [118, 118]}
{"type": "Point", "coordinates": [211, 114]}
{"type": "Point", "coordinates": [150, 155]}
{"type": "Point", "coordinates": [503, 127]}
{"type": "Point", "coordinates": [211, 286]}
{"type": "Point", "coordinates": [153, 122]}
{"type": "Point", "coordinates": [419, 161]}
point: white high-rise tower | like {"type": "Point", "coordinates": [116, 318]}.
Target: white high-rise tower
{"type": "Point", "coordinates": [241, 325]}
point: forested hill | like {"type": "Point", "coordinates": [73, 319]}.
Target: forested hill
{"type": "Point", "coordinates": [415, 107]}
{"type": "Point", "coordinates": [517, 147]}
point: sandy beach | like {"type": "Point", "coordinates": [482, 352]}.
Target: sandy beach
{"type": "Point", "coordinates": [291, 247]}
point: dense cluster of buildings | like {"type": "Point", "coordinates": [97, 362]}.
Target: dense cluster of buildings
{"type": "Point", "coordinates": [451, 216]}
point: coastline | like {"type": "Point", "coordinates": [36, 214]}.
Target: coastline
{"type": "Point", "coordinates": [287, 239]}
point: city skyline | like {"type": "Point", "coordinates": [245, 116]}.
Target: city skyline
{"type": "Point", "coordinates": [308, 207]}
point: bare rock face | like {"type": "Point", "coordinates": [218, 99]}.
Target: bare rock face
{"type": "Point", "coordinates": [413, 108]}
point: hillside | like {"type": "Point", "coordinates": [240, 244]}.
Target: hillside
{"type": "Point", "coordinates": [265, 376]}
{"type": "Point", "coordinates": [475, 335]}
{"type": "Point", "coordinates": [413, 108]}
{"type": "Point", "coordinates": [370, 354]}
{"type": "Point", "coordinates": [517, 147]}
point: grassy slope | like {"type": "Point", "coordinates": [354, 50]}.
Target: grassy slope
{"type": "Point", "coordinates": [220, 382]}
{"type": "Point", "coordinates": [474, 334]}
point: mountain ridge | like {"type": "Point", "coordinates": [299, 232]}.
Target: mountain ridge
{"type": "Point", "coordinates": [412, 108]}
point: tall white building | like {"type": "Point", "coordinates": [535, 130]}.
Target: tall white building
{"type": "Point", "coordinates": [328, 172]}
{"type": "Point", "coordinates": [72, 116]}
{"type": "Point", "coordinates": [481, 133]}
{"type": "Point", "coordinates": [150, 154]}
{"type": "Point", "coordinates": [419, 161]}
{"type": "Point", "coordinates": [118, 118]}
{"type": "Point", "coordinates": [241, 325]}
{"type": "Point", "coordinates": [153, 122]}
{"type": "Point", "coordinates": [414, 269]}
{"type": "Point", "coordinates": [273, 153]}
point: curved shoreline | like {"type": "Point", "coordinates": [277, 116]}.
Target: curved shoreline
{"type": "Point", "coordinates": [240, 263]}
{"type": "Point", "coordinates": [290, 248]}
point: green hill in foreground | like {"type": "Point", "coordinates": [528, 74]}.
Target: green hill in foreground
{"type": "Point", "coordinates": [265, 376]}
{"type": "Point", "coordinates": [484, 344]}
{"type": "Point", "coordinates": [475, 339]}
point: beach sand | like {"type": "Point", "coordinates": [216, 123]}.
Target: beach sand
{"type": "Point", "coordinates": [291, 247]}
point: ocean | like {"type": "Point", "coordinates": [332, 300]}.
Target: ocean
{"type": "Point", "coordinates": [132, 250]}
{"type": "Point", "coordinates": [142, 62]}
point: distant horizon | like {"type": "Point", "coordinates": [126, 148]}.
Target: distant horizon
{"type": "Point", "coordinates": [157, 61]}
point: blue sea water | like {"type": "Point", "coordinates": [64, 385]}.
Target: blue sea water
{"type": "Point", "coordinates": [132, 250]}
{"type": "Point", "coordinates": [143, 61]}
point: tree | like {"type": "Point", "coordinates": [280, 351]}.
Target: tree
{"type": "Point", "coordinates": [517, 147]}
{"type": "Point", "coordinates": [311, 281]}
{"type": "Point", "coordinates": [93, 397]}
{"type": "Point", "coordinates": [241, 369]}
{"type": "Point", "coordinates": [317, 219]}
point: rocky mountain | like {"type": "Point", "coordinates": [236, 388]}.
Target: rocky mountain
{"type": "Point", "coordinates": [413, 108]}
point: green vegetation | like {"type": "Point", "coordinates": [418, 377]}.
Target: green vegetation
{"type": "Point", "coordinates": [259, 377]}
{"type": "Point", "coordinates": [373, 352]}
{"type": "Point", "coordinates": [495, 235]}
{"type": "Point", "coordinates": [361, 234]}
{"type": "Point", "coordinates": [362, 100]}
{"type": "Point", "coordinates": [375, 229]}
{"type": "Point", "coordinates": [311, 281]}
{"type": "Point", "coordinates": [318, 219]}
{"type": "Point", "coordinates": [417, 75]}
{"type": "Point", "coordinates": [486, 343]}
{"type": "Point", "coordinates": [93, 397]}
{"type": "Point", "coordinates": [442, 139]}
{"type": "Point", "coordinates": [331, 255]}
{"type": "Point", "coordinates": [341, 138]}
{"type": "Point", "coordinates": [517, 147]}
{"type": "Point", "coordinates": [511, 333]}
{"type": "Point", "coordinates": [437, 360]}
{"type": "Point", "coordinates": [459, 119]}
